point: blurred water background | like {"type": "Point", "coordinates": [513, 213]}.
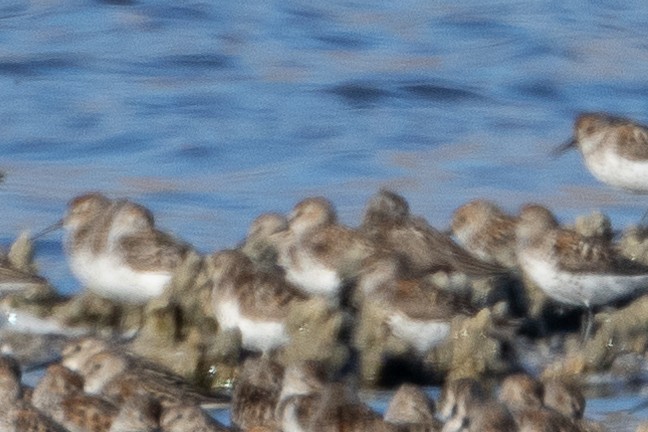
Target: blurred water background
{"type": "Point", "coordinates": [211, 113]}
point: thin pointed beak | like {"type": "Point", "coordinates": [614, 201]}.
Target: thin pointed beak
{"type": "Point", "coordinates": [49, 229]}
{"type": "Point", "coordinates": [562, 148]}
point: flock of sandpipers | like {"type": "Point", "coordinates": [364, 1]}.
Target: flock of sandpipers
{"type": "Point", "coordinates": [115, 250]}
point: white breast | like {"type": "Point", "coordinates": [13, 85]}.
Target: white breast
{"type": "Point", "coordinates": [610, 168]}
{"type": "Point", "coordinates": [313, 277]}
{"type": "Point", "coordinates": [579, 289]}
{"type": "Point", "coordinates": [256, 335]}
{"type": "Point", "coordinates": [106, 275]}
{"type": "Point", "coordinates": [422, 335]}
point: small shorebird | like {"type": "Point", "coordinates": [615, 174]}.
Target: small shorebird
{"type": "Point", "coordinates": [117, 377]}
{"type": "Point", "coordinates": [485, 231]}
{"type": "Point", "coordinates": [414, 311]}
{"type": "Point", "coordinates": [564, 396]}
{"type": "Point", "coordinates": [115, 250]}
{"type": "Point", "coordinates": [76, 352]}
{"type": "Point", "coordinates": [421, 248]}
{"type": "Point", "coordinates": [466, 406]}
{"type": "Point", "coordinates": [259, 245]}
{"type": "Point", "coordinates": [308, 403]}
{"type": "Point", "coordinates": [318, 254]}
{"type": "Point", "coordinates": [256, 393]}
{"type": "Point", "coordinates": [411, 409]}
{"type": "Point", "coordinates": [485, 416]}
{"type": "Point", "coordinates": [457, 395]}
{"type": "Point", "coordinates": [59, 394]}
{"type": "Point", "coordinates": [523, 395]}
{"type": "Point", "coordinates": [139, 413]}
{"type": "Point", "coordinates": [21, 279]}
{"type": "Point", "coordinates": [615, 149]}
{"type": "Point", "coordinates": [257, 303]}
{"type": "Point", "coordinates": [17, 414]}
{"type": "Point", "coordinates": [184, 417]}
{"type": "Point", "coordinates": [573, 269]}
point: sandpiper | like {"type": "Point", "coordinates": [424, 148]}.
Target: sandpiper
{"type": "Point", "coordinates": [615, 149]}
{"type": "Point", "coordinates": [573, 269]}
{"type": "Point", "coordinates": [318, 254]}
{"type": "Point", "coordinates": [76, 352]}
{"type": "Point", "coordinates": [309, 403]}
{"type": "Point", "coordinates": [117, 377]}
{"type": "Point", "coordinates": [564, 396]}
{"type": "Point", "coordinates": [17, 414]}
{"type": "Point", "coordinates": [486, 416]}
{"type": "Point", "coordinates": [421, 248]}
{"type": "Point", "coordinates": [411, 409]}
{"type": "Point", "coordinates": [259, 245]}
{"type": "Point", "coordinates": [414, 311]}
{"type": "Point", "coordinates": [115, 250]}
{"type": "Point", "coordinates": [257, 303]}
{"type": "Point", "coordinates": [183, 417]}
{"type": "Point", "coordinates": [459, 394]}
{"type": "Point", "coordinates": [487, 232]}
{"type": "Point", "coordinates": [16, 280]}
{"type": "Point", "coordinates": [466, 406]}
{"type": "Point", "coordinates": [523, 395]}
{"type": "Point", "coordinates": [256, 393]}
{"type": "Point", "coordinates": [59, 394]}
{"type": "Point", "coordinates": [139, 413]}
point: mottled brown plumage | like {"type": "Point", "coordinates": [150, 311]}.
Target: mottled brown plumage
{"type": "Point", "coordinates": [259, 245]}
{"type": "Point", "coordinates": [421, 248]}
{"type": "Point", "coordinates": [614, 149]}
{"type": "Point", "coordinates": [382, 281]}
{"type": "Point", "coordinates": [308, 403]}
{"type": "Point", "coordinates": [256, 393]}
{"type": "Point", "coordinates": [459, 394]}
{"type": "Point", "coordinates": [188, 418]}
{"type": "Point", "coordinates": [629, 138]}
{"type": "Point", "coordinates": [152, 250]}
{"type": "Point", "coordinates": [466, 406]}
{"type": "Point", "coordinates": [118, 377]}
{"type": "Point", "coordinates": [564, 396]}
{"type": "Point", "coordinates": [59, 394]}
{"type": "Point", "coordinates": [571, 268]}
{"type": "Point", "coordinates": [16, 413]}
{"type": "Point", "coordinates": [253, 301]}
{"type": "Point", "coordinates": [320, 255]}
{"type": "Point", "coordinates": [115, 249]}
{"type": "Point", "coordinates": [523, 395]}
{"type": "Point", "coordinates": [411, 408]}
{"type": "Point", "coordinates": [486, 231]}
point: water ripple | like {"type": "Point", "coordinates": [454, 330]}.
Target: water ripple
{"type": "Point", "coordinates": [40, 64]}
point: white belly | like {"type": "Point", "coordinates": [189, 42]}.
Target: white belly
{"type": "Point", "coordinates": [110, 278]}
{"type": "Point", "coordinates": [256, 335]}
{"type": "Point", "coordinates": [580, 289]}
{"type": "Point", "coordinates": [617, 171]}
{"type": "Point", "coordinates": [421, 335]}
{"type": "Point", "coordinates": [313, 278]}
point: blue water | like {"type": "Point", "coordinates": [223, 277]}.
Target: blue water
{"type": "Point", "coordinates": [211, 113]}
